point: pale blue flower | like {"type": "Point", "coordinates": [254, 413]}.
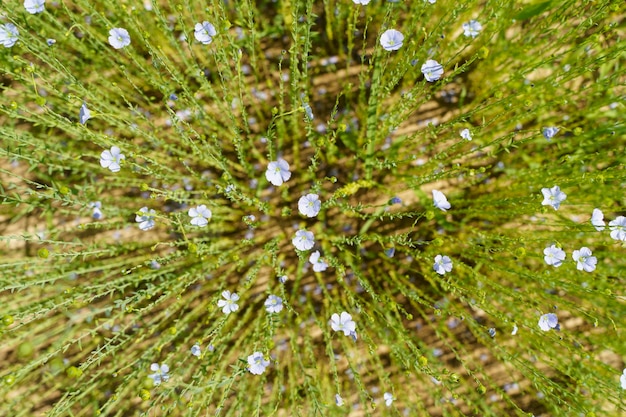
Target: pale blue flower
{"type": "Point", "coordinates": [273, 304]}
{"type": "Point", "coordinates": [549, 132]}
{"type": "Point", "coordinates": [84, 114]}
{"type": "Point", "coordinates": [204, 32]}
{"type": "Point", "coordinates": [432, 70]}
{"type": "Point", "coordinates": [9, 35]}
{"type": "Point", "coordinates": [160, 373]}
{"type": "Point", "coordinates": [584, 260]}
{"type": "Point", "coordinates": [472, 28]}
{"type": "Point", "coordinates": [549, 321]}
{"type": "Point", "coordinates": [618, 228]}
{"type": "Point", "coordinates": [343, 323]}
{"type": "Point", "coordinates": [145, 218]}
{"type": "Point", "coordinates": [391, 40]}
{"type": "Point", "coordinates": [200, 215]}
{"type": "Point", "coordinates": [34, 6]}
{"type": "Point", "coordinates": [257, 363]}
{"type": "Point", "coordinates": [119, 38]}
{"type": "Point", "coordinates": [553, 197]}
{"type": "Point", "coordinates": [442, 264]}
{"type": "Point", "coordinates": [229, 303]}
{"type": "Point", "coordinates": [554, 256]}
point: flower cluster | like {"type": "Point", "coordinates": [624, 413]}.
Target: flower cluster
{"type": "Point", "coordinates": [616, 226]}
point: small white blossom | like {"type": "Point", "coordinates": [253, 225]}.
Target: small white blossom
{"type": "Point", "coordinates": [618, 228]}
{"type": "Point", "coordinates": [196, 351]}
{"type": "Point", "coordinates": [550, 132]}
{"type": "Point", "coordinates": [160, 373]}
{"type": "Point", "coordinates": [442, 264]}
{"type": "Point", "coordinates": [622, 379]}
{"type": "Point", "coordinates": [597, 219]}
{"type": "Point", "coordinates": [391, 40]}
{"type": "Point", "coordinates": [584, 260]}
{"type": "Point", "coordinates": [548, 321]}
{"type": "Point", "coordinates": [319, 264]}
{"type": "Point", "coordinates": [440, 201]}
{"type": "Point", "coordinates": [338, 400]}
{"type": "Point", "coordinates": [278, 172]}
{"type": "Point", "coordinates": [514, 332]}
{"type": "Point", "coordinates": [145, 218]}
{"type": "Point", "coordinates": [388, 397]}
{"type": "Point", "coordinates": [84, 114]}
{"type": "Point", "coordinates": [554, 256]}
{"type": "Point", "coordinates": [111, 159]}
{"type": "Point", "coordinates": [363, 2]}
{"type": "Point", "coordinates": [432, 70]}
{"type": "Point", "coordinates": [472, 28]}
{"type": "Point", "coordinates": [204, 32]}
{"type": "Point", "coordinates": [119, 38]}
{"type": "Point", "coordinates": [9, 35]}
{"type": "Point", "coordinates": [273, 304]}
{"type": "Point", "coordinates": [343, 323]}
{"type": "Point", "coordinates": [304, 240]}
{"type": "Point", "coordinates": [309, 205]}
{"type": "Point", "coordinates": [34, 6]}
{"type": "Point", "coordinates": [553, 197]}
{"type": "Point", "coordinates": [229, 303]}
{"type": "Point", "coordinates": [200, 215]}
{"type": "Point", "coordinates": [465, 134]}
{"type": "Point", "coordinates": [257, 363]}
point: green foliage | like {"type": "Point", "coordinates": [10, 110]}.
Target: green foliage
{"type": "Point", "coordinates": [90, 302]}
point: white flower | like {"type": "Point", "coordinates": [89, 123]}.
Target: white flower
{"type": "Point", "coordinates": [309, 205]}
{"type": "Point", "coordinates": [257, 363]}
{"type": "Point", "coordinates": [432, 70]}
{"type": "Point", "coordinates": [554, 256]}
{"type": "Point", "coordinates": [34, 6]}
{"type": "Point", "coordinates": [8, 35]}
{"type": "Point", "coordinates": [549, 132]}
{"type": "Point", "coordinates": [278, 172]}
{"type": "Point", "coordinates": [618, 228]}
{"type": "Point", "coordinates": [553, 197]}
{"type": "Point", "coordinates": [200, 215]}
{"type": "Point", "coordinates": [442, 264]}
{"type": "Point", "coordinates": [430, 1]}
{"type": "Point", "coordinates": [622, 379]}
{"type": "Point", "coordinates": [282, 279]}
{"type": "Point", "coordinates": [388, 398]}
{"type": "Point", "coordinates": [391, 40]}
{"type": "Point", "coordinates": [119, 38]}
{"type": "Point", "coordinates": [229, 303]}
{"type": "Point", "coordinates": [145, 218]}
{"type": "Point", "coordinates": [514, 332]}
{"type": "Point", "coordinates": [338, 400]}
{"type": "Point", "coordinates": [465, 134]}
{"type": "Point", "coordinates": [472, 28]}
{"type": "Point", "coordinates": [304, 240]}
{"type": "Point", "coordinates": [363, 2]}
{"type": "Point", "coordinates": [585, 262]}
{"type": "Point", "coordinates": [343, 323]}
{"type": "Point", "coordinates": [318, 263]}
{"type": "Point", "coordinates": [273, 304]}
{"type": "Point", "coordinates": [440, 201]}
{"type": "Point", "coordinates": [160, 373]}
{"type": "Point", "coordinates": [196, 351]}
{"type": "Point", "coordinates": [204, 32]}
{"type": "Point", "coordinates": [111, 159]}
{"type": "Point", "coordinates": [84, 114]}
{"type": "Point", "coordinates": [548, 321]}
{"type": "Point", "coordinates": [597, 219]}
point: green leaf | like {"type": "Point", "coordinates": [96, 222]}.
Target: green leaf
{"type": "Point", "coordinates": [532, 10]}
